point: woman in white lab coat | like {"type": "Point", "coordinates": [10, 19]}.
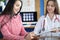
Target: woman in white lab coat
{"type": "Point", "coordinates": [49, 22]}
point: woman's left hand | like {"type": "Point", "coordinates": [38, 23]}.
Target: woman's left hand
{"type": "Point", "coordinates": [55, 30]}
{"type": "Point", "coordinates": [28, 37]}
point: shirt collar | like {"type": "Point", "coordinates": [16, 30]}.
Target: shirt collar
{"type": "Point", "coordinates": [48, 18]}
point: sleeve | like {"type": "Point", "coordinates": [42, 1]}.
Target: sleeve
{"type": "Point", "coordinates": [7, 35]}
{"type": "Point", "coordinates": [23, 31]}
{"type": "Point", "coordinates": [1, 18]}
{"type": "Point", "coordinates": [38, 26]}
{"type": "Point", "coordinates": [10, 36]}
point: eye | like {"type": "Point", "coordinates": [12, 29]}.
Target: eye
{"type": "Point", "coordinates": [17, 5]}
{"type": "Point", "coordinates": [52, 5]}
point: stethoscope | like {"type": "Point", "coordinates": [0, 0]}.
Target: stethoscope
{"type": "Point", "coordinates": [43, 27]}
{"type": "Point", "coordinates": [56, 19]}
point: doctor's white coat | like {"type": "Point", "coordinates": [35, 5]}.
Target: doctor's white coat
{"type": "Point", "coordinates": [48, 24]}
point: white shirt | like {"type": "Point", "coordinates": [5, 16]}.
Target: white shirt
{"type": "Point", "coordinates": [49, 24]}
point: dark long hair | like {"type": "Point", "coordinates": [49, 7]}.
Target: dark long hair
{"type": "Point", "coordinates": [56, 11]}
{"type": "Point", "coordinates": [9, 8]}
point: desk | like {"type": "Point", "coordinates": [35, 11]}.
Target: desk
{"type": "Point", "coordinates": [41, 37]}
{"type": "Point", "coordinates": [46, 36]}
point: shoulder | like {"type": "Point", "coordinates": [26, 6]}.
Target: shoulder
{"type": "Point", "coordinates": [4, 18]}
{"type": "Point", "coordinates": [42, 17]}
{"type": "Point", "coordinates": [19, 15]}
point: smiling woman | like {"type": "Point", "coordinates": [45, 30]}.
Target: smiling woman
{"type": "Point", "coordinates": [48, 22]}
{"type": "Point", "coordinates": [45, 1]}
{"type": "Point", "coordinates": [16, 7]}
{"type": "Point", "coordinates": [11, 23]}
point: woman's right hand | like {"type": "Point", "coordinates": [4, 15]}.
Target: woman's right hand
{"type": "Point", "coordinates": [33, 36]}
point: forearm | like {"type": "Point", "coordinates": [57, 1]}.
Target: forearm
{"type": "Point", "coordinates": [9, 35]}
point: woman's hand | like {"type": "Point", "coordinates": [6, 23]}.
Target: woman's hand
{"type": "Point", "coordinates": [34, 36]}
{"type": "Point", "coordinates": [28, 37]}
{"type": "Point", "coordinates": [31, 36]}
{"type": "Point", "coordinates": [55, 29]}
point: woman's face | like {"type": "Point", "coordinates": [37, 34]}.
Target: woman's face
{"type": "Point", "coordinates": [16, 7]}
{"type": "Point", "coordinates": [50, 7]}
